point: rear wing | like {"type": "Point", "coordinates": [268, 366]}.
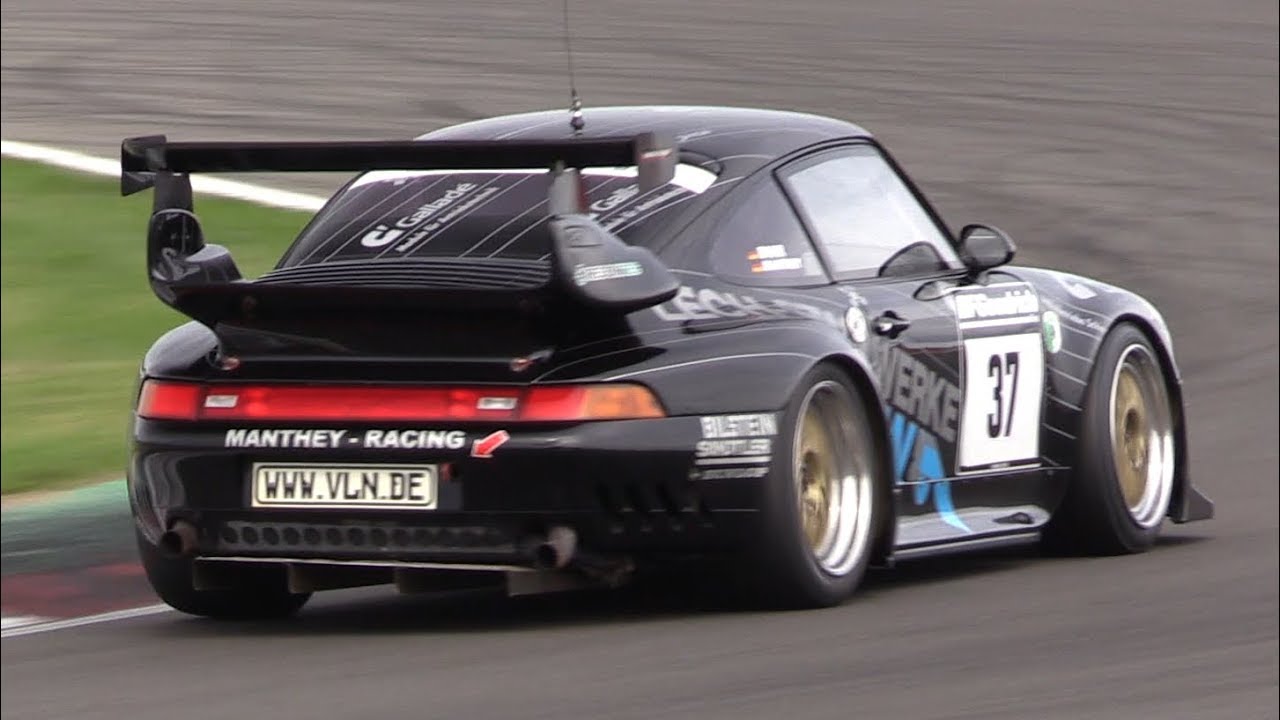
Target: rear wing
{"type": "Point", "coordinates": [589, 265]}
{"type": "Point", "coordinates": [143, 158]}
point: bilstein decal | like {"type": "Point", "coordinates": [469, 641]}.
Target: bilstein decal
{"type": "Point", "coordinates": [739, 426]}
{"type": "Point", "coordinates": [735, 446]}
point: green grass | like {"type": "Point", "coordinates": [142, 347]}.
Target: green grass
{"type": "Point", "coordinates": [78, 314]}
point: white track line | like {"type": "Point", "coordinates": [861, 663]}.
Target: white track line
{"type": "Point", "coordinates": [200, 183]}
{"type": "Point", "coordinates": [15, 626]}
{"type": "Point", "coordinates": [10, 622]}
{"type": "Point", "coordinates": [46, 625]}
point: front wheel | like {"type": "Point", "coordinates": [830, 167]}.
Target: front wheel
{"type": "Point", "coordinates": [823, 500]}
{"type": "Point", "coordinates": [1120, 490]}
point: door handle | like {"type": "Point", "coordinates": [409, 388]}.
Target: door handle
{"type": "Point", "coordinates": [890, 324]}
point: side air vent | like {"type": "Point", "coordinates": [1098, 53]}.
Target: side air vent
{"type": "Point", "coordinates": [479, 274]}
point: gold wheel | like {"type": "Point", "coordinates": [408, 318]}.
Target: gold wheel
{"type": "Point", "coordinates": [817, 482]}
{"type": "Point", "coordinates": [833, 483]}
{"type": "Point", "coordinates": [1141, 436]}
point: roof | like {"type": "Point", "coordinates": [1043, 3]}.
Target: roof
{"type": "Point", "coordinates": [486, 214]}
{"type": "Point", "coordinates": [742, 138]}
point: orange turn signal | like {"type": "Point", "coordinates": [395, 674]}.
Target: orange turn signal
{"type": "Point", "coordinates": [620, 401]}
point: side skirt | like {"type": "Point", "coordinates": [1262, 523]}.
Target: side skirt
{"type": "Point", "coordinates": [990, 542]}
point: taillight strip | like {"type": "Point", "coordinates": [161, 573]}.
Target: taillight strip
{"type": "Point", "coordinates": [174, 400]}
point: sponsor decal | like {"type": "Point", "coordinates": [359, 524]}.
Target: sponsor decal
{"type": "Point", "coordinates": [735, 441]}
{"type": "Point", "coordinates": [739, 451]}
{"type": "Point", "coordinates": [584, 274]}
{"type": "Point", "coordinates": [484, 447]}
{"type": "Point", "coordinates": [917, 460]}
{"type": "Point", "coordinates": [384, 235]}
{"type": "Point", "coordinates": [996, 305]}
{"type": "Point", "coordinates": [1083, 321]}
{"type": "Point", "coordinates": [707, 304]}
{"type": "Point", "coordinates": [768, 258]}
{"type": "Point", "coordinates": [614, 199]}
{"type": "Point", "coordinates": [732, 473]}
{"type": "Point", "coordinates": [394, 439]}
{"type": "Point", "coordinates": [415, 439]}
{"type": "Point", "coordinates": [257, 438]}
{"type": "Point", "coordinates": [921, 392]}
{"type": "Point", "coordinates": [425, 211]}
{"type": "Point", "coordinates": [739, 426]}
{"type": "Point", "coordinates": [631, 213]}
{"type": "Point", "coordinates": [462, 208]}
{"type": "Point", "coordinates": [855, 322]}
{"type": "Point", "coordinates": [1052, 331]}
{"type": "Point", "coordinates": [738, 447]}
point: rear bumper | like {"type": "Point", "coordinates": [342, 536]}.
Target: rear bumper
{"type": "Point", "coordinates": [623, 487]}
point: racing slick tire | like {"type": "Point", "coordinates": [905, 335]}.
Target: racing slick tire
{"type": "Point", "coordinates": [1119, 494]}
{"type": "Point", "coordinates": [257, 593]}
{"type": "Point", "coordinates": [823, 499]}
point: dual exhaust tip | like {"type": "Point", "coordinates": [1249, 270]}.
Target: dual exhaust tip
{"type": "Point", "coordinates": [179, 540]}
{"type": "Point", "coordinates": [554, 551]}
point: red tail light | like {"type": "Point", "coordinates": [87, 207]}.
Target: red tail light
{"type": "Point", "coordinates": [165, 400]}
{"type": "Point", "coordinates": [170, 401]}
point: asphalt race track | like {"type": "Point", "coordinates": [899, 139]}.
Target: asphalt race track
{"type": "Point", "coordinates": [1135, 141]}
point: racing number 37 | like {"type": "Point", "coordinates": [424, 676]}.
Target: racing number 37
{"type": "Point", "coordinates": [1001, 368]}
{"type": "Point", "coordinates": [1003, 389]}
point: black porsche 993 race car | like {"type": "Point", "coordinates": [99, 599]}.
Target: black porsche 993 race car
{"type": "Point", "coordinates": [514, 351]}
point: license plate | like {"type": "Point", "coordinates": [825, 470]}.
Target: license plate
{"type": "Point", "coordinates": [411, 487]}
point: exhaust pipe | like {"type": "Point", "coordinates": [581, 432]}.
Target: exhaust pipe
{"type": "Point", "coordinates": [557, 549]}
{"type": "Point", "coordinates": [179, 540]}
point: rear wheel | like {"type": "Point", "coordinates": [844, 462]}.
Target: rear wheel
{"type": "Point", "coordinates": [1120, 491]}
{"type": "Point", "coordinates": [823, 499]}
{"type": "Point", "coordinates": [255, 593]}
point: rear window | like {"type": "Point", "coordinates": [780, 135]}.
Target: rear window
{"type": "Point", "coordinates": [390, 214]}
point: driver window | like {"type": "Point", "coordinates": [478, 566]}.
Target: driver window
{"type": "Point", "coordinates": [865, 217]}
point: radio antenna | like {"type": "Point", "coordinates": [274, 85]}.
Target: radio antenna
{"type": "Point", "coordinates": [575, 103]}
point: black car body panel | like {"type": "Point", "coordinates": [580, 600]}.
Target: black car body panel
{"type": "Point", "coordinates": [723, 354]}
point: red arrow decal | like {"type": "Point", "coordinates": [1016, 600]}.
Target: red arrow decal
{"type": "Point", "coordinates": [484, 447]}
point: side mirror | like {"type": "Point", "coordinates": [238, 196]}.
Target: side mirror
{"type": "Point", "coordinates": [983, 247]}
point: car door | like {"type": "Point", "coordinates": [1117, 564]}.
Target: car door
{"type": "Point", "coordinates": [962, 392]}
